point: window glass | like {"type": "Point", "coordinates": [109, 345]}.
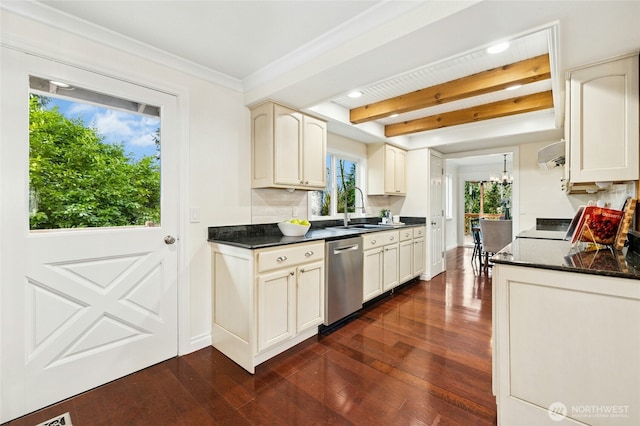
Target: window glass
{"type": "Point", "coordinates": [94, 159]}
{"type": "Point", "coordinates": [342, 176]}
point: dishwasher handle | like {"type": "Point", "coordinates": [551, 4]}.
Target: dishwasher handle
{"type": "Point", "coordinates": [341, 250]}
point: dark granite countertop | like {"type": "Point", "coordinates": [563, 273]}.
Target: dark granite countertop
{"type": "Point", "coordinates": [269, 235]}
{"type": "Point", "coordinates": [560, 255]}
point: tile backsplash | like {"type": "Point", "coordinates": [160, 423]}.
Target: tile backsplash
{"type": "Point", "coordinates": [275, 205]}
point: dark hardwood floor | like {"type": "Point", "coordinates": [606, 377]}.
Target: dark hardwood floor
{"type": "Point", "coordinates": [419, 357]}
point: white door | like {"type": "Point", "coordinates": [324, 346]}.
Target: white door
{"type": "Point", "coordinates": [79, 307]}
{"type": "Point", "coordinates": [436, 214]}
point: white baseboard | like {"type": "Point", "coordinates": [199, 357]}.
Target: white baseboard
{"type": "Point", "coordinates": [200, 342]}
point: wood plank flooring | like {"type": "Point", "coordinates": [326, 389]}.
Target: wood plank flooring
{"type": "Point", "coordinates": [419, 357]}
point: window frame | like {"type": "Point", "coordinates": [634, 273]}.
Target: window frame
{"type": "Point", "coordinates": [333, 157]}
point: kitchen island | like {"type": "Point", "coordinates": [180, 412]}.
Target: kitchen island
{"type": "Point", "coordinates": [566, 334]}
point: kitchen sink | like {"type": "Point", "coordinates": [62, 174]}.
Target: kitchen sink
{"type": "Point", "coordinates": [359, 226]}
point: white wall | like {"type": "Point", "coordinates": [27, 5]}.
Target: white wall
{"type": "Point", "coordinates": [416, 201]}
{"type": "Point", "coordinates": [214, 131]}
{"type": "Point", "coordinates": [541, 194]}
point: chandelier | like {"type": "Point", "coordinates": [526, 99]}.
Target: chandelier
{"type": "Point", "coordinates": [503, 178]}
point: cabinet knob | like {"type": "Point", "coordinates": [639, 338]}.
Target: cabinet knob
{"type": "Point", "coordinates": [309, 253]}
{"type": "Point", "coordinates": [281, 259]}
{"type": "Point", "coordinates": [302, 270]}
{"type": "Point", "coordinates": [373, 241]}
{"type": "Point", "coordinates": [306, 182]}
{"type": "Point", "coordinates": [293, 273]}
{"type": "Point", "coordinates": [301, 182]}
{"type": "Point", "coordinates": [392, 238]}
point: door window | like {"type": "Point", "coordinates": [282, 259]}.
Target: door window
{"type": "Point", "coordinates": [94, 159]}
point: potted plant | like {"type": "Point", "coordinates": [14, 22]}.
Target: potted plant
{"type": "Point", "coordinates": [385, 215]}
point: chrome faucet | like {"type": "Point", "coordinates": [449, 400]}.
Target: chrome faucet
{"type": "Point", "coordinates": [346, 204]}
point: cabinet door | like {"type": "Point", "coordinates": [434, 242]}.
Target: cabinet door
{"type": "Point", "coordinates": [310, 295]}
{"type": "Point", "coordinates": [287, 148]}
{"type": "Point", "coordinates": [418, 256]}
{"type": "Point", "coordinates": [276, 322]}
{"type": "Point", "coordinates": [399, 172]}
{"type": "Point", "coordinates": [314, 153]}
{"type": "Point", "coordinates": [372, 273]}
{"type": "Point", "coordinates": [389, 169]}
{"type": "Point", "coordinates": [604, 122]}
{"type": "Point", "coordinates": [405, 262]}
{"type": "Point", "coordinates": [390, 266]}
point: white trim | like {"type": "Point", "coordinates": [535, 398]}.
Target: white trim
{"type": "Point", "coordinates": [199, 342]}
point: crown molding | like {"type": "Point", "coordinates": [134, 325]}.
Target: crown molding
{"type": "Point", "coordinates": [62, 21]}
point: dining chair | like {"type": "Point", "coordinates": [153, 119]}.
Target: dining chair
{"type": "Point", "coordinates": [477, 244]}
{"type": "Point", "coordinates": [496, 234]}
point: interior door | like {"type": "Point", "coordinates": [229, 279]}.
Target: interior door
{"type": "Point", "coordinates": [436, 214]}
{"type": "Point", "coordinates": [79, 307]}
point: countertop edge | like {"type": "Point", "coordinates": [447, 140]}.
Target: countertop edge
{"type": "Point", "coordinates": [318, 234]}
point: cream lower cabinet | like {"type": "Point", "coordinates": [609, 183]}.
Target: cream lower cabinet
{"type": "Point", "coordinates": [265, 301]}
{"type": "Point", "coordinates": [391, 258]}
{"type": "Point", "coordinates": [412, 255]}
{"type": "Point", "coordinates": [380, 263]}
{"type": "Point", "coordinates": [419, 253]}
{"type": "Point", "coordinates": [405, 260]}
{"type": "Point", "coordinates": [566, 348]}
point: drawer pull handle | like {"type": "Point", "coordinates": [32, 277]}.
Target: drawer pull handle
{"type": "Point", "coordinates": [392, 238]}
{"type": "Point", "coordinates": [309, 253]}
{"type": "Point", "coordinates": [373, 241]}
{"type": "Point", "coordinates": [406, 235]}
{"type": "Point", "coordinates": [281, 259]}
{"type": "Point", "coordinates": [302, 271]}
{"type": "Point", "coordinates": [291, 273]}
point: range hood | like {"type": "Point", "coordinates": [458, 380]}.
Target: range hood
{"type": "Point", "coordinates": [552, 155]}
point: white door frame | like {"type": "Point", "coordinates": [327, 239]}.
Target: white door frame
{"type": "Point", "coordinates": [458, 193]}
{"type": "Point", "coordinates": [430, 236]}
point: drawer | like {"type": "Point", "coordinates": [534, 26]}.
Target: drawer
{"type": "Point", "coordinates": [406, 234]}
{"type": "Point", "coordinates": [290, 255]}
{"type": "Point", "coordinates": [379, 239]}
{"type": "Point", "coordinates": [420, 231]}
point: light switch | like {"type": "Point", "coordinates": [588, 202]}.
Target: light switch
{"type": "Point", "coordinates": [194, 214]}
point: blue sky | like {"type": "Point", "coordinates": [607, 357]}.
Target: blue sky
{"type": "Point", "coordinates": [134, 131]}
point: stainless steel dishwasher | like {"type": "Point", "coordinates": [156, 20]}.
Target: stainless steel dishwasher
{"type": "Point", "coordinates": [343, 283]}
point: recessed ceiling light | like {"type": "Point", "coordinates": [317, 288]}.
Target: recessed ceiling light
{"type": "Point", "coordinates": [59, 84]}
{"type": "Point", "coordinates": [497, 48]}
{"type": "Point", "coordinates": [514, 87]}
{"type": "Point", "coordinates": [355, 94]}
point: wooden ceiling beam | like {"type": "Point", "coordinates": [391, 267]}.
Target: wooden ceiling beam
{"type": "Point", "coordinates": [522, 72]}
{"type": "Point", "coordinates": [519, 105]}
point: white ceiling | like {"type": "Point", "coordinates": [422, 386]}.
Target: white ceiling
{"type": "Point", "coordinates": [309, 54]}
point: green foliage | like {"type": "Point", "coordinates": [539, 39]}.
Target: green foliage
{"type": "Point", "coordinates": [496, 197]}
{"type": "Point", "coordinates": [346, 181]}
{"type": "Point", "coordinates": [77, 180]}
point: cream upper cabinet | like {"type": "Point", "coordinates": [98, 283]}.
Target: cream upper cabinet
{"type": "Point", "coordinates": [386, 170]}
{"type": "Point", "coordinates": [288, 148]}
{"type": "Point", "coordinates": [603, 122]}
